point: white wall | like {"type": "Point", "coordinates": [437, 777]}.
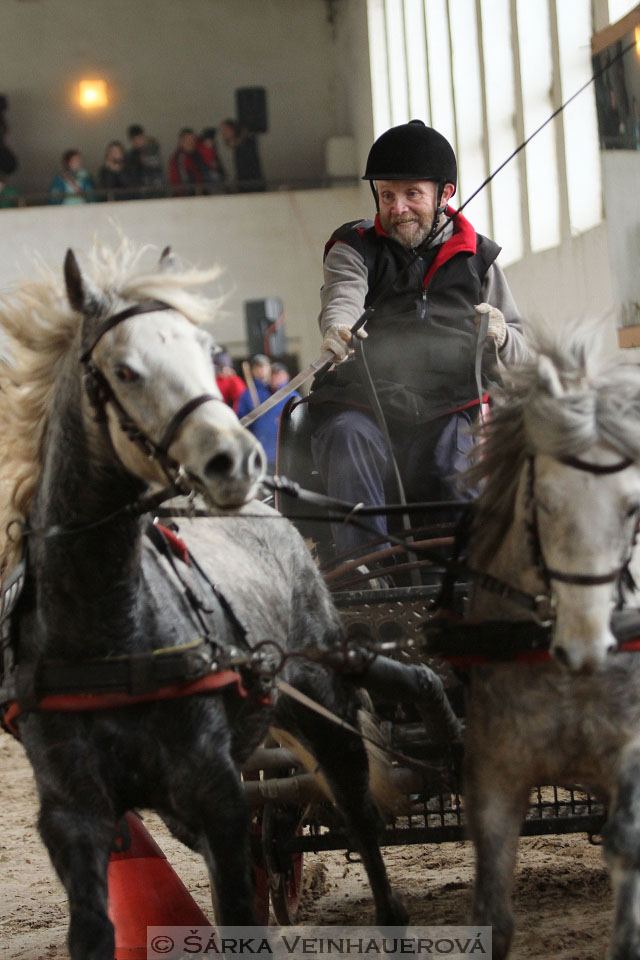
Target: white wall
{"type": "Point", "coordinates": [269, 245]}
{"type": "Point", "coordinates": [621, 186]}
{"type": "Point", "coordinates": [170, 63]}
{"type": "Point", "coordinates": [572, 281]}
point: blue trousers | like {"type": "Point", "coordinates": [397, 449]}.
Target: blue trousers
{"type": "Point", "coordinates": [353, 460]}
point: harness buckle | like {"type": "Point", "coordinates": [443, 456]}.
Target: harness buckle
{"type": "Point", "coordinates": [543, 612]}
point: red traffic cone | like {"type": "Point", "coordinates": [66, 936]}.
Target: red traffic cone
{"type": "Point", "coordinates": [145, 891]}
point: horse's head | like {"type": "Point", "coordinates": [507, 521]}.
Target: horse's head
{"type": "Point", "coordinates": [149, 372]}
{"type": "Point", "coordinates": [561, 502]}
{"type": "Point", "coordinates": [583, 515]}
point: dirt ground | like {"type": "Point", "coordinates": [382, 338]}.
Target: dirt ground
{"type": "Point", "coordinates": [562, 896]}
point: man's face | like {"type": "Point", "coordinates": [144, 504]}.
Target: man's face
{"type": "Point", "coordinates": [278, 379]}
{"type": "Point", "coordinates": [226, 133]}
{"type": "Point", "coordinates": [262, 372]}
{"type": "Point", "coordinates": [188, 142]}
{"type": "Point", "coordinates": [407, 208]}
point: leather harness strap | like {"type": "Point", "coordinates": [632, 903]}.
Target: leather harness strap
{"type": "Point", "coordinates": [144, 306]}
{"type": "Point", "coordinates": [87, 702]}
{"type": "Point", "coordinates": [100, 392]}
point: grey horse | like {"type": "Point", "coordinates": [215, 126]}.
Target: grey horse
{"type": "Point", "coordinates": [558, 520]}
{"type": "Point", "coordinates": [82, 441]}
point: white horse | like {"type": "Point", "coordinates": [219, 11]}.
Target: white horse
{"type": "Point", "coordinates": [558, 520]}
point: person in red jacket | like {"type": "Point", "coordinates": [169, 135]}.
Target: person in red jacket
{"type": "Point", "coordinates": [186, 164]}
{"type": "Point", "coordinates": [230, 384]}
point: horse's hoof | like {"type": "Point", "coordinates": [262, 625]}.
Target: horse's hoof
{"type": "Point", "coordinates": [395, 914]}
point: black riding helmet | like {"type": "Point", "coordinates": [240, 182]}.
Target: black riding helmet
{"type": "Point", "coordinates": [412, 151]}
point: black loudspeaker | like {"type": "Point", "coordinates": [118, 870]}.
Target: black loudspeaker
{"type": "Point", "coordinates": [265, 327]}
{"type": "Point", "coordinates": [251, 108]}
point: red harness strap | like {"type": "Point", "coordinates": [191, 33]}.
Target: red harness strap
{"type": "Point", "coordinates": [523, 656]}
{"type": "Point", "coordinates": [83, 702]}
{"type": "Point", "coordinates": [178, 546]}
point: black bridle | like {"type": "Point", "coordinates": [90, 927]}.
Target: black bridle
{"type": "Point", "coordinates": [618, 575]}
{"type": "Point", "coordinates": [100, 393]}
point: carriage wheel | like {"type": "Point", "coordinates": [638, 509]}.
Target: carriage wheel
{"type": "Point", "coordinates": [284, 871]}
{"type": "Point", "coordinates": [261, 896]}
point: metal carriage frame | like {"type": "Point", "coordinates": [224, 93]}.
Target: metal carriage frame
{"type": "Point", "coordinates": [291, 815]}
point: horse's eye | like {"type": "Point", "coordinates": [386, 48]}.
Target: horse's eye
{"type": "Point", "coordinates": [632, 511]}
{"type": "Point", "coordinates": [125, 374]}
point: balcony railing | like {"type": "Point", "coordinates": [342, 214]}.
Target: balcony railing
{"type": "Point", "coordinates": [230, 188]}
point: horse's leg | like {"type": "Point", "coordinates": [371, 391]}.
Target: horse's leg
{"type": "Point", "coordinates": [495, 805]}
{"type": "Point", "coordinates": [214, 806]}
{"type": "Point", "coordinates": [79, 843]}
{"type": "Point", "coordinates": [344, 763]}
{"type": "Point", "coordinates": [622, 850]}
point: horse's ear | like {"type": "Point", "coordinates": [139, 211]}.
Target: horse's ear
{"type": "Point", "coordinates": [167, 261]}
{"type": "Point", "coordinates": [549, 377]}
{"type": "Point", "coordinates": [83, 297]}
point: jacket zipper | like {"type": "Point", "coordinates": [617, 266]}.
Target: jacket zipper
{"type": "Point", "coordinates": [423, 308]}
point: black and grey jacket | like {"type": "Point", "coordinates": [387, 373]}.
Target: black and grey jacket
{"type": "Point", "coordinates": [422, 335]}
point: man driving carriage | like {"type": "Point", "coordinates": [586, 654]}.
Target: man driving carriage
{"type": "Point", "coordinates": [431, 278]}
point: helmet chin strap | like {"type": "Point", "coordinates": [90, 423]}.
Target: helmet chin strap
{"type": "Point", "coordinates": [440, 209]}
{"type": "Point", "coordinates": [372, 184]}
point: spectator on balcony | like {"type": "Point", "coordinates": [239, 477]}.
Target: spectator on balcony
{"type": "Point", "coordinates": [144, 162]}
{"type": "Point", "coordinates": [113, 175]}
{"type": "Point", "coordinates": [72, 185]}
{"type": "Point", "coordinates": [216, 173]}
{"type": "Point", "coordinates": [187, 165]}
{"type": "Point", "coordinates": [8, 194]}
{"type": "Point", "coordinates": [248, 169]}
{"type": "Point", "coordinates": [8, 159]}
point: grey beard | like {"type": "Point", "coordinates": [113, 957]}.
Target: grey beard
{"type": "Point", "coordinates": [418, 240]}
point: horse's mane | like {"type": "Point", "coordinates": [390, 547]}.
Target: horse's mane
{"type": "Point", "coordinates": [38, 328]}
{"type": "Point", "coordinates": [567, 397]}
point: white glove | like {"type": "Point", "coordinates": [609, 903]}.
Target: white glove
{"type": "Point", "coordinates": [497, 324]}
{"type": "Point", "coordinates": [339, 339]}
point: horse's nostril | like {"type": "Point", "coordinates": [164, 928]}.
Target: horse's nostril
{"type": "Point", "coordinates": [219, 465]}
{"type": "Point", "coordinates": [257, 462]}
{"type": "Point", "coordinates": [561, 656]}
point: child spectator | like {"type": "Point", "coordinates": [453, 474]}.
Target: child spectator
{"type": "Point", "coordinates": [73, 184]}
{"type": "Point", "coordinates": [143, 162]}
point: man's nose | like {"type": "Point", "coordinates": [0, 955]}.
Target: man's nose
{"type": "Point", "coordinates": [399, 205]}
